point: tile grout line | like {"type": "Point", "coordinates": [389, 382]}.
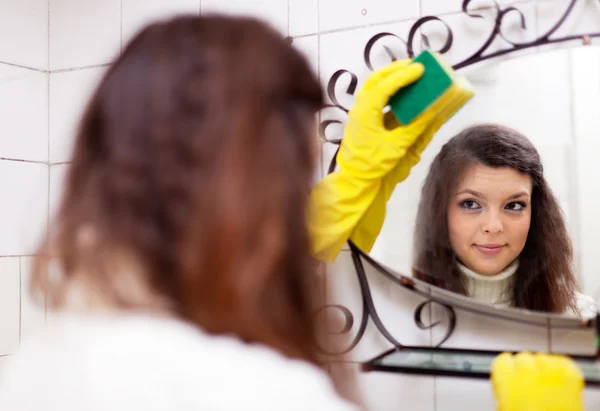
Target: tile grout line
{"type": "Point", "coordinates": [48, 78]}
{"type": "Point", "coordinates": [65, 70]}
{"type": "Point", "coordinates": [18, 160]}
{"type": "Point", "coordinates": [20, 301]}
{"type": "Point", "coordinates": [48, 39]}
{"type": "Point", "coordinates": [48, 66]}
{"type": "Point", "coordinates": [121, 27]}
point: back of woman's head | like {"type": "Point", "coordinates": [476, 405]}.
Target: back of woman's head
{"type": "Point", "coordinates": [190, 176]}
{"type": "Point", "coordinates": [545, 279]}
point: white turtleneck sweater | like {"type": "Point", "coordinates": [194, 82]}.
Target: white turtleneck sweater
{"type": "Point", "coordinates": [497, 289]}
{"type": "Point", "coordinates": [492, 289]}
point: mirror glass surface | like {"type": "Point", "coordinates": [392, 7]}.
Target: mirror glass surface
{"type": "Point", "coordinates": [493, 224]}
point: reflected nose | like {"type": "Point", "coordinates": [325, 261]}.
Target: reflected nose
{"type": "Point", "coordinates": [493, 224]}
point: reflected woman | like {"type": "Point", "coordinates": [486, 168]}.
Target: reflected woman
{"type": "Point", "coordinates": [487, 212]}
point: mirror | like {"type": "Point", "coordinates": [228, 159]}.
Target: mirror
{"type": "Point", "coordinates": [500, 238]}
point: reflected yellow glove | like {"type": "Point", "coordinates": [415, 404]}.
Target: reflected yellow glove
{"type": "Point", "coordinates": [537, 382]}
{"type": "Point", "coordinates": [368, 152]}
{"type": "Point", "coordinates": [368, 228]}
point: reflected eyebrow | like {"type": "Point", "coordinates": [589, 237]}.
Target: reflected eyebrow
{"type": "Point", "coordinates": [518, 195]}
{"type": "Point", "coordinates": [481, 195]}
{"type": "Point", "coordinates": [472, 192]}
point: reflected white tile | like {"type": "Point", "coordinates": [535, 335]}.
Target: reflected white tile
{"type": "Point", "coordinates": [395, 307]}
{"type": "Point", "coordinates": [84, 33]}
{"type": "Point", "coordinates": [466, 394]}
{"type": "Point", "coordinates": [585, 64]}
{"type": "Point", "coordinates": [9, 305]}
{"type": "Point", "coordinates": [27, 21]}
{"type": "Point", "coordinates": [381, 391]}
{"type": "Point", "coordinates": [514, 93]}
{"type": "Point", "coordinates": [339, 14]}
{"type": "Point", "coordinates": [23, 114]}
{"type": "Point", "coordinates": [58, 174]}
{"type": "Point", "coordinates": [69, 94]}
{"type": "Point", "coordinates": [23, 211]}
{"type": "Point", "coordinates": [556, 162]}
{"type": "Point", "coordinates": [303, 17]}
{"type": "Point", "coordinates": [33, 313]}
{"type": "Point", "coordinates": [139, 13]}
{"type": "Point", "coordinates": [309, 47]}
{"type": "Point", "coordinates": [480, 332]}
{"type": "Point", "coordinates": [274, 12]}
{"type": "Point", "coordinates": [394, 245]}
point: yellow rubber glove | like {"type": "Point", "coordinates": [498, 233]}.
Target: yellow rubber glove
{"type": "Point", "coordinates": [537, 382]}
{"type": "Point", "coordinates": [368, 152]}
{"type": "Point", "coordinates": [368, 228]}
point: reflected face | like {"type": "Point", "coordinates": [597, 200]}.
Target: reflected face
{"type": "Point", "coordinates": [489, 217]}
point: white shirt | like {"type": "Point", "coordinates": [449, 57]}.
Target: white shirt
{"type": "Point", "coordinates": [138, 362]}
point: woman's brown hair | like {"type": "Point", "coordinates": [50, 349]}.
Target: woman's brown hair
{"type": "Point", "coordinates": [189, 183]}
{"type": "Point", "coordinates": [544, 280]}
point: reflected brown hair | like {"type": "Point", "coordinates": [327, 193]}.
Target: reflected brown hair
{"type": "Point", "coordinates": [189, 183]}
{"type": "Point", "coordinates": [544, 280]}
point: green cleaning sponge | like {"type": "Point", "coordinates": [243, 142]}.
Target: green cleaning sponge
{"type": "Point", "coordinates": [415, 98]}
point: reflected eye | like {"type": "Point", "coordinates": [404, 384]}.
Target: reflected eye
{"type": "Point", "coordinates": [515, 206]}
{"type": "Point", "coordinates": [470, 205]}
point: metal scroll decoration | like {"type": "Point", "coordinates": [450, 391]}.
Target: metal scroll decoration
{"type": "Point", "coordinates": [481, 54]}
{"type": "Point", "coordinates": [333, 86]}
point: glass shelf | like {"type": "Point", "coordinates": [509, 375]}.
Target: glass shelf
{"type": "Point", "coordinates": [458, 363]}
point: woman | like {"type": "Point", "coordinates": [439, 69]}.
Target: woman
{"type": "Point", "coordinates": [487, 212]}
{"type": "Point", "coordinates": [186, 279]}
{"type": "Point", "coordinates": [185, 273]}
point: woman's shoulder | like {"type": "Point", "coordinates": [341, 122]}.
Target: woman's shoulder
{"type": "Point", "coordinates": [146, 361]}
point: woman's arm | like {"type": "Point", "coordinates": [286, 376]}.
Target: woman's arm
{"type": "Point", "coordinates": [368, 152]}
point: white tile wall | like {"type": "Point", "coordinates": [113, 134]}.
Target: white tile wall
{"type": "Point", "coordinates": [27, 21]}
{"type": "Point", "coordinates": [9, 304]}
{"type": "Point", "coordinates": [70, 91]}
{"type": "Point", "coordinates": [390, 392]}
{"type": "Point", "coordinates": [273, 11]}
{"type": "Point", "coordinates": [33, 313]}
{"type": "Point", "coordinates": [583, 19]}
{"type": "Point", "coordinates": [40, 110]}
{"type": "Point", "coordinates": [304, 17]}
{"type": "Point", "coordinates": [58, 174]}
{"type": "Point", "coordinates": [340, 14]}
{"type": "Point", "coordinates": [3, 361]}
{"type": "Point", "coordinates": [24, 206]}
{"type": "Point", "coordinates": [83, 33]}
{"type": "Point", "coordinates": [309, 46]}
{"type": "Point", "coordinates": [23, 113]}
{"type": "Point", "coordinates": [137, 13]}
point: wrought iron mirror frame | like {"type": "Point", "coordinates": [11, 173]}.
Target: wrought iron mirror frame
{"type": "Point", "coordinates": [444, 299]}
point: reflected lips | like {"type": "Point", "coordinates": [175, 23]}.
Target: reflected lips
{"type": "Point", "coordinates": [490, 249]}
